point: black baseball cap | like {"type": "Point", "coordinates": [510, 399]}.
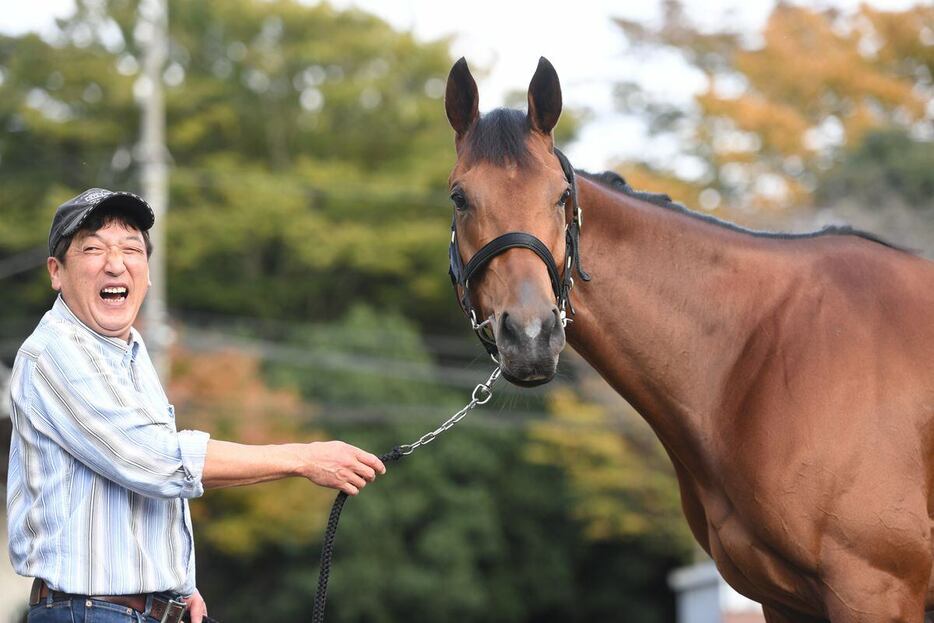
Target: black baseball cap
{"type": "Point", "coordinates": [70, 215]}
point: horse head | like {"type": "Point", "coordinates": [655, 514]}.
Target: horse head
{"type": "Point", "coordinates": [512, 195]}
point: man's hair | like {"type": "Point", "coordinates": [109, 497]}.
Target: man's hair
{"type": "Point", "coordinates": [98, 220]}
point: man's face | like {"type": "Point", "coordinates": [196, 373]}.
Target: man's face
{"type": "Point", "coordinates": [104, 278]}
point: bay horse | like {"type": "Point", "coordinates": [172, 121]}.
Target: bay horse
{"type": "Point", "coordinates": [790, 378]}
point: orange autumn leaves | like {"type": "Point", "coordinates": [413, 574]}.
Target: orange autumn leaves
{"type": "Point", "coordinates": [223, 392]}
{"type": "Point", "coordinates": [782, 107]}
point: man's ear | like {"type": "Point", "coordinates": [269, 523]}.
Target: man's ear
{"type": "Point", "coordinates": [54, 267]}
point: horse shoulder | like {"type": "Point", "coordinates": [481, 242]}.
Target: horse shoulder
{"type": "Point", "coordinates": [812, 428]}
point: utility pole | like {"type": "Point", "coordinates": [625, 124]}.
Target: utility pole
{"type": "Point", "coordinates": [153, 156]}
{"type": "Point", "coordinates": [5, 378]}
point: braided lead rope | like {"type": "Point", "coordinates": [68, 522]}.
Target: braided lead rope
{"type": "Point", "coordinates": [481, 395]}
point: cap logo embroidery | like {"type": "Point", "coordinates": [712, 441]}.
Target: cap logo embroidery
{"type": "Point", "coordinates": [94, 196]}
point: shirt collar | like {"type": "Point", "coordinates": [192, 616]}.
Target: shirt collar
{"type": "Point", "coordinates": [129, 349]}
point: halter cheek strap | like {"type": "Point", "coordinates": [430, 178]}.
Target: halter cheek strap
{"type": "Point", "coordinates": [561, 286]}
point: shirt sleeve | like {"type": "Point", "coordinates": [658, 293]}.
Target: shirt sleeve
{"type": "Point", "coordinates": [109, 427]}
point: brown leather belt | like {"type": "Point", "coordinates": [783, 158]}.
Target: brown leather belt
{"type": "Point", "coordinates": [164, 610]}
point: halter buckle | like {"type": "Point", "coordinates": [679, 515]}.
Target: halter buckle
{"type": "Point", "coordinates": [473, 321]}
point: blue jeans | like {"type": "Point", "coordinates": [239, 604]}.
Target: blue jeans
{"type": "Point", "coordinates": [81, 610]}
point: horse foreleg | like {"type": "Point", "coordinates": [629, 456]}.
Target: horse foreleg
{"type": "Point", "coordinates": [773, 615]}
{"type": "Point", "coordinates": [883, 601]}
{"type": "Point", "coordinates": [856, 591]}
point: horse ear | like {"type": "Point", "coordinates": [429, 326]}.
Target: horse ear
{"type": "Point", "coordinates": [544, 97]}
{"type": "Point", "coordinates": [461, 100]}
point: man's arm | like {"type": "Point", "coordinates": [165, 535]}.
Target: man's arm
{"type": "Point", "coordinates": [330, 464]}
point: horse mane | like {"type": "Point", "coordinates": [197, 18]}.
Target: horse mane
{"type": "Point", "coordinates": [616, 182]}
{"type": "Point", "coordinates": [499, 137]}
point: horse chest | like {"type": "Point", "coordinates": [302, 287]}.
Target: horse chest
{"type": "Point", "coordinates": [757, 567]}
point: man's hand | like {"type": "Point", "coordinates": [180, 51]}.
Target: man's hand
{"type": "Point", "coordinates": [339, 465]}
{"type": "Point", "coordinates": [332, 464]}
{"type": "Point", "coordinates": [197, 609]}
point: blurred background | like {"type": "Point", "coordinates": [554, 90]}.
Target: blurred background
{"type": "Point", "coordinates": [299, 152]}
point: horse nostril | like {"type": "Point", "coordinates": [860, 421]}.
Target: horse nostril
{"type": "Point", "coordinates": [541, 327]}
{"type": "Point", "coordinates": [509, 329]}
{"type": "Point", "coordinates": [550, 321]}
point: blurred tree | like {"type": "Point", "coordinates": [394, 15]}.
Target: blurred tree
{"type": "Point", "coordinates": [622, 489]}
{"type": "Point", "coordinates": [643, 176]}
{"type": "Point", "coordinates": [888, 165]}
{"type": "Point", "coordinates": [316, 153]}
{"type": "Point", "coordinates": [363, 333]}
{"type": "Point", "coordinates": [65, 113]}
{"type": "Point", "coordinates": [885, 185]}
{"type": "Point", "coordinates": [309, 147]}
{"type": "Point", "coordinates": [780, 109]}
{"type": "Point", "coordinates": [224, 394]}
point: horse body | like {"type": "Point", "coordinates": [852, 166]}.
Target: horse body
{"type": "Point", "coordinates": [785, 379]}
{"type": "Point", "coordinates": [788, 377]}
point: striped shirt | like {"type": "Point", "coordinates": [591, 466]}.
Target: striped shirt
{"type": "Point", "coordinates": [99, 475]}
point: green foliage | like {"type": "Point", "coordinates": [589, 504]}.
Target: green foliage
{"type": "Point", "coordinates": [314, 162]}
{"type": "Point", "coordinates": [63, 111]}
{"type": "Point", "coordinates": [309, 153]}
{"type": "Point", "coordinates": [622, 490]}
{"type": "Point", "coordinates": [464, 530]}
{"type": "Point", "coordinates": [887, 165]}
{"type": "Point", "coordinates": [369, 342]}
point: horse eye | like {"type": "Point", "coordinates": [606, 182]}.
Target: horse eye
{"type": "Point", "coordinates": [459, 200]}
{"type": "Point", "coordinates": [564, 197]}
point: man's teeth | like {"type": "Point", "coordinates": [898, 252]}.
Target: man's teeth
{"type": "Point", "coordinates": [116, 294]}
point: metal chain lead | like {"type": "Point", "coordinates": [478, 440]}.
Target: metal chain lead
{"type": "Point", "coordinates": [480, 396]}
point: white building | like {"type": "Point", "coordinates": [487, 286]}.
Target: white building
{"type": "Point", "coordinates": [704, 597]}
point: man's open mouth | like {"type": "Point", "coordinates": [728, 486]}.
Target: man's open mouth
{"type": "Point", "coordinates": [114, 295]}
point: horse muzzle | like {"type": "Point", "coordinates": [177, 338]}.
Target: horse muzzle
{"type": "Point", "coordinates": [529, 346]}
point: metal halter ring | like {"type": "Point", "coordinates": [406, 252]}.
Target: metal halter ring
{"type": "Point", "coordinates": [485, 391]}
{"type": "Point", "coordinates": [478, 325]}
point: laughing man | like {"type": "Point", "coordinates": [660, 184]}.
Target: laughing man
{"type": "Point", "coordinates": [99, 478]}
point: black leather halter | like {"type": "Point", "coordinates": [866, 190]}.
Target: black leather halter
{"type": "Point", "coordinates": [561, 284]}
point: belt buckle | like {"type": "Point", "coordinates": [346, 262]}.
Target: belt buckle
{"type": "Point", "coordinates": [174, 610]}
{"type": "Point", "coordinates": [35, 591]}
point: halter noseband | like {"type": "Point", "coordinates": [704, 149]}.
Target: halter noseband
{"type": "Point", "coordinates": [560, 285]}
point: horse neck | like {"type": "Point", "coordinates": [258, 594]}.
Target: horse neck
{"type": "Point", "coordinates": [671, 308]}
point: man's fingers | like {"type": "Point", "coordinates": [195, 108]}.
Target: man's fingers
{"type": "Point", "coordinates": [356, 481]}
{"type": "Point", "coordinates": [373, 461]}
{"type": "Point", "coordinates": [197, 608]}
{"type": "Point", "coordinates": [341, 466]}
{"type": "Point", "coordinates": [366, 472]}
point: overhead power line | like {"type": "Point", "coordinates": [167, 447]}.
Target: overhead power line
{"type": "Point", "coordinates": [464, 346]}
{"type": "Point", "coordinates": [340, 361]}
{"type": "Point", "coordinates": [399, 414]}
